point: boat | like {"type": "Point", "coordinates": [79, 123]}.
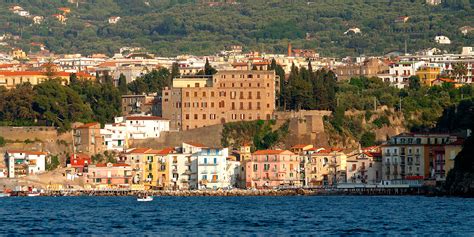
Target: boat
{"type": "Point", "coordinates": [33, 194]}
{"type": "Point", "coordinates": [145, 199]}
{"type": "Point", "coordinates": [4, 195]}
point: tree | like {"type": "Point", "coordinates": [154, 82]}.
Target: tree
{"type": "Point", "coordinates": [2, 141]}
{"type": "Point", "coordinates": [208, 69]}
{"type": "Point", "coordinates": [174, 73]}
{"type": "Point", "coordinates": [367, 139]}
{"type": "Point", "coordinates": [122, 84]}
{"type": "Point", "coordinates": [52, 162]}
{"type": "Point", "coordinates": [73, 78]}
{"type": "Point", "coordinates": [414, 83]}
{"type": "Point", "coordinates": [459, 70]}
{"type": "Point", "coordinates": [138, 86]}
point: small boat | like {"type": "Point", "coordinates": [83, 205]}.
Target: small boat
{"type": "Point", "coordinates": [4, 195]}
{"type": "Point", "coordinates": [33, 194]}
{"type": "Point", "coordinates": [145, 199]}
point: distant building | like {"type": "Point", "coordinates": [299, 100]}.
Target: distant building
{"type": "Point", "coordinates": [114, 19]}
{"type": "Point", "coordinates": [87, 139]}
{"type": "Point", "coordinates": [60, 18]}
{"type": "Point", "coordinates": [441, 39]}
{"type": "Point", "coordinates": [80, 162]}
{"type": "Point", "coordinates": [23, 163]}
{"type": "Point", "coordinates": [368, 68]}
{"type": "Point", "coordinates": [428, 74]}
{"type": "Point", "coordinates": [142, 127]}
{"type": "Point", "coordinates": [37, 19]}
{"type": "Point", "coordinates": [433, 2]}
{"type": "Point", "coordinates": [326, 166]}
{"type": "Point", "coordinates": [354, 30]}
{"type": "Point", "coordinates": [141, 104]}
{"type": "Point", "coordinates": [228, 96]}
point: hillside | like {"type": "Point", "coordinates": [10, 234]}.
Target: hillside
{"type": "Point", "coordinates": [169, 27]}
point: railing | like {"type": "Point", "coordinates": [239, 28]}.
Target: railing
{"type": "Point", "coordinates": [208, 164]}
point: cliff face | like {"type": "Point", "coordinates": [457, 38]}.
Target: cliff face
{"type": "Point", "coordinates": [460, 180]}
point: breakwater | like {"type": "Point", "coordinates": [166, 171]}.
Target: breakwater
{"type": "Point", "coordinates": [235, 192]}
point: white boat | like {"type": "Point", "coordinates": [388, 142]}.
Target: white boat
{"type": "Point", "coordinates": [33, 194]}
{"type": "Point", "coordinates": [4, 195]}
{"type": "Point", "coordinates": [145, 199]}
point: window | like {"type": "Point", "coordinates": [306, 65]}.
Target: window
{"type": "Point", "coordinates": [215, 160]}
{"type": "Point", "coordinates": [205, 160]}
{"type": "Point", "coordinates": [204, 177]}
{"type": "Point", "coordinates": [212, 93]}
{"type": "Point", "coordinates": [187, 116]}
{"type": "Point", "coordinates": [241, 105]}
{"type": "Point", "coordinates": [250, 105]}
{"type": "Point", "coordinates": [255, 167]}
{"type": "Point", "coordinates": [258, 95]}
{"type": "Point", "coordinates": [195, 116]}
{"type": "Point", "coordinates": [187, 93]}
{"type": "Point", "coordinates": [266, 167]}
{"type": "Point", "coordinates": [204, 116]}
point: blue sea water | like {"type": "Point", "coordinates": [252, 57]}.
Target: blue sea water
{"type": "Point", "coordinates": [302, 215]}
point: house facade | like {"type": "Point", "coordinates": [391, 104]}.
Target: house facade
{"type": "Point", "coordinates": [22, 163]}
{"type": "Point", "coordinates": [272, 168]}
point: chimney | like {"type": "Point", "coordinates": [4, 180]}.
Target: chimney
{"type": "Point", "coordinates": [289, 49]}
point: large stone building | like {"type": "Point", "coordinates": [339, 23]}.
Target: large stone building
{"type": "Point", "coordinates": [141, 104]}
{"type": "Point", "coordinates": [228, 96]}
{"type": "Point", "coordinates": [87, 139]}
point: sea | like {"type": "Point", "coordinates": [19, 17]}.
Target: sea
{"type": "Point", "coordinates": [254, 216]}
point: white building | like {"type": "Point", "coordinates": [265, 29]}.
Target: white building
{"type": "Point", "coordinates": [114, 19]}
{"type": "Point", "coordinates": [37, 19]}
{"type": "Point", "coordinates": [114, 136]}
{"type": "Point", "coordinates": [76, 63]}
{"type": "Point", "coordinates": [354, 30]}
{"type": "Point", "coordinates": [364, 167]}
{"type": "Point", "coordinates": [142, 127]}
{"type": "Point", "coordinates": [209, 171]}
{"type": "Point", "coordinates": [441, 39]}
{"type": "Point", "coordinates": [22, 163]}
{"type": "Point", "coordinates": [400, 72]}
{"type": "Point", "coordinates": [235, 174]}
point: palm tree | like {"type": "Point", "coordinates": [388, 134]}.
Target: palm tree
{"type": "Point", "coordinates": [459, 70]}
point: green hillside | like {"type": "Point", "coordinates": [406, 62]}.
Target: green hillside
{"type": "Point", "coordinates": [169, 27]}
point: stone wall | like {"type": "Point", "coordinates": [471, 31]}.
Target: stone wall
{"type": "Point", "coordinates": [209, 136]}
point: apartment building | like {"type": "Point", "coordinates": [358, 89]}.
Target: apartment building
{"type": "Point", "coordinates": [272, 168]}
{"type": "Point", "coordinates": [326, 166]}
{"type": "Point", "coordinates": [410, 156]}
{"type": "Point", "coordinates": [209, 171]}
{"type": "Point", "coordinates": [228, 96]}
{"type": "Point", "coordinates": [364, 167]}
{"type": "Point", "coordinates": [22, 162]}
{"type": "Point", "coordinates": [88, 139]}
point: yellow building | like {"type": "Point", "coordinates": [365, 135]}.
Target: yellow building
{"type": "Point", "coordinates": [145, 164]}
{"type": "Point", "coordinates": [428, 74]}
{"type": "Point", "coordinates": [10, 79]}
{"type": "Point", "coordinates": [18, 54]}
{"type": "Point", "coordinates": [163, 169]}
{"type": "Point", "coordinates": [450, 152]}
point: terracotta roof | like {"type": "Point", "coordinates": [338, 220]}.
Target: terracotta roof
{"type": "Point", "coordinates": [327, 150]}
{"type": "Point", "coordinates": [39, 73]}
{"type": "Point", "coordinates": [139, 151]}
{"type": "Point", "coordinates": [237, 64]}
{"type": "Point", "coordinates": [165, 151]}
{"type": "Point", "coordinates": [144, 118]}
{"type": "Point", "coordinates": [88, 125]}
{"type": "Point", "coordinates": [107, 64]}
{"type": "Point", "coordinates": [261, 63]}
{"type": "Point", "coordinates": [268, 152]}
{"type": "Point", "coordinates": [7, 65]}
{"type": "Point", "coordinates": [300, 146]}
{"type": "Point", "coordinates": [195, 144]}
{"type": "Point", "coordinates": [114, 165]}
{"type": "Point", "coordinates": [28, 152]}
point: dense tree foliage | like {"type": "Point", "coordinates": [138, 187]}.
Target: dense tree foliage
{"type": "Point", "coordinates": [153, 82]}
{"type": "Point", "coordinates": [169, 27]}
{"type": "Point", "coordinates": [262, 134]}
{"type": "Point", "coordinates": [53, 104]}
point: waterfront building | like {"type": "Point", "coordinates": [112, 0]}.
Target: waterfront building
{"type": "Point", "coordinates": [365, 167]}
{"type": "Point", "coordinates": [114, 137]}
{"type": "Point", "coordinates": [326, 166]}
{"type": "Point", "coordinates": [417, 156]}
{"type": "Point", "coordinates": [272, 168]}
{"type": "Point", "coordinates": [145, 165]}
{"type": "Point", "coordinates": [109, 176]}
{"type": "Point", "coordinates": [428, 74]}
{"type": "Point", "coordinates": [22, 162]}
{"type": "Point", "coordinates": [87, 139]}
{"type": "Point", "coordinates": [228, 96]}
{"type": "Point", "coordinates": [80, 162]}
{"type": "Point", "coordinates": [209, 171]}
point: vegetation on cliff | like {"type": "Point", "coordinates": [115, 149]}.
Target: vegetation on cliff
{"type": "Point", "coordinates": [170, 27]}
{"type": "Point", "coordinates": [460, 180]}
{"type": "Point", "coordinates": [261, 134]}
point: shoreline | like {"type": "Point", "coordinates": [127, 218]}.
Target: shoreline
{"type": "Point", "coordinates": [234, 193]}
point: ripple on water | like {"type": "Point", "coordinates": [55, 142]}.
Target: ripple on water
{"type": "Point", "coordinates": [237, 215]}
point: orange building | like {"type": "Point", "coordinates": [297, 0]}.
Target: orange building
{"type": "Point", "coordinates": [10, 79]}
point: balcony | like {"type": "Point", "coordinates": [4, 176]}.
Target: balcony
{"type": "Point", "coordinates": [188, 163]}
{"type": "Point", "coordinates": [187, 172]}
{"type": "Point", "coordinates": [208, 164]}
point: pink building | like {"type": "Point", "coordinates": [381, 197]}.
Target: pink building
{"type": "Point", "coordinates": [109, 175]}
{"type": "Point", "coordinates": [272, 168]}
